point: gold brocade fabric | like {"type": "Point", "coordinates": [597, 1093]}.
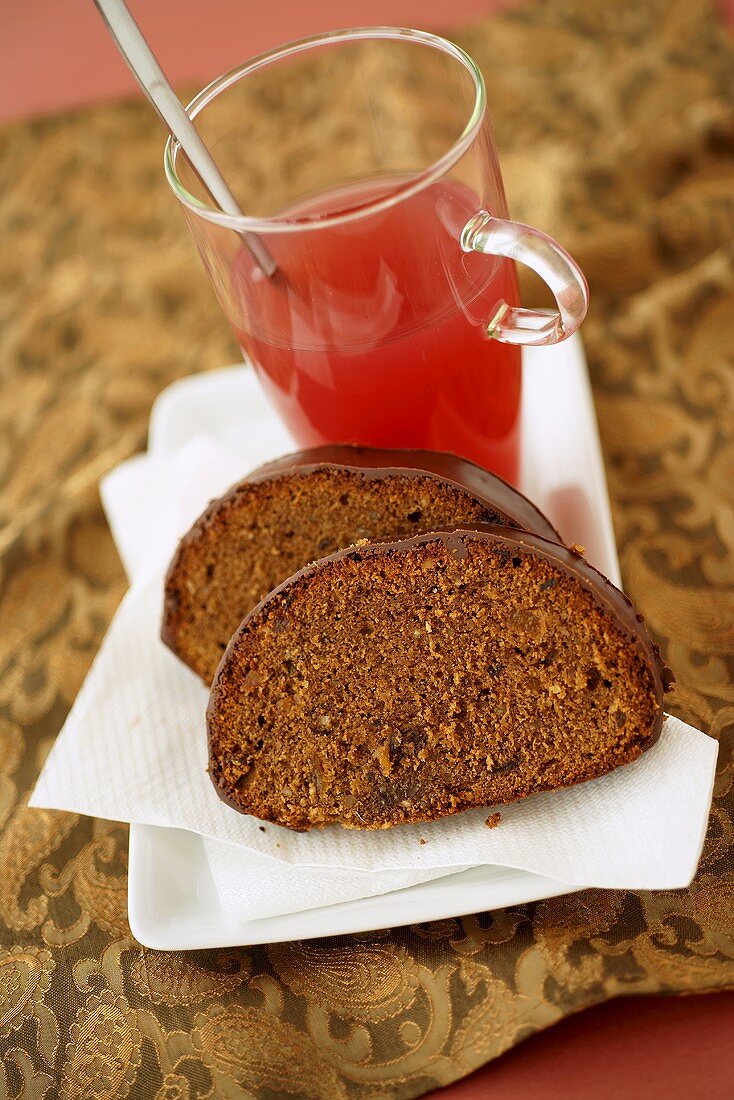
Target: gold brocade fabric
{"type": "Point", "coordinates": [615, 123]}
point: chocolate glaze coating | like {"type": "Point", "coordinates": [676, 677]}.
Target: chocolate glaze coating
{"type": "Point", "coordinates": [612, 600]}
{"type": "Point", "coordinates": [378, 463]}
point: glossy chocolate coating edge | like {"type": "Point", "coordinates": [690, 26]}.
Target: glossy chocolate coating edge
{"type": "Point", "coordinates": [379, 463]}
{"type": "Point", "coordinates": [612, 599]}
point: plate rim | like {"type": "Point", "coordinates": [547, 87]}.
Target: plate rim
{"type": "Point", "coordinates": [371, 913]}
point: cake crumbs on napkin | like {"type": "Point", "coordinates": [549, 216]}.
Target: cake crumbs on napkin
{"type": "Point", "coordinates": [493, 820]}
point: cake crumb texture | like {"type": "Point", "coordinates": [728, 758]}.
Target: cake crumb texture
{"type": "Point", "coordinates": [262, 531]}
{"type": "Point", "coordinates": [335, 702]}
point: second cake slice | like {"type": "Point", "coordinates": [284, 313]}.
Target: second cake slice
{"type": "Point", "coordinates": [303, 507]}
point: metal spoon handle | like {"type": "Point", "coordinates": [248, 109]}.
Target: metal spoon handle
{"type": "Point", "coordinates": [153, 81]}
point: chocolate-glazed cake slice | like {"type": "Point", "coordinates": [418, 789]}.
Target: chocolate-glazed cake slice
{"type": "Point", "coordinates": [304, 506]}
{"type": "Point", "coordinates": [403, 682]}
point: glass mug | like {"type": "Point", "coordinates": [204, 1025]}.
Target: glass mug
{"type": "Point", "coordinates": [365, 162]}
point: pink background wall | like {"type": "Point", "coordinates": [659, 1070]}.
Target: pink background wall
{"type": "Point", "coordinates": [57, 53]}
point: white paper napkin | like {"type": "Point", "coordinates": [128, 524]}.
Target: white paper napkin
{"type": "Point", "coordinates": [133, 748]}
{"type": "Point", "coordinates": [252, 886]}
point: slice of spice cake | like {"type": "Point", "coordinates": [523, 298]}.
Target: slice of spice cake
{"type": "Point", "coordinates": [401, 682]}
{"type": "Point", "coordinates": [304, 506]}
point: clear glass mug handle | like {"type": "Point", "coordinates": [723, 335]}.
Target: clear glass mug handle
{"type": "Point", "coordinates": [512, 324]}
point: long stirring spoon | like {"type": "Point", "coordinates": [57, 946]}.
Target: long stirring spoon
{"type": "Point", "coordinates": [155, 85]}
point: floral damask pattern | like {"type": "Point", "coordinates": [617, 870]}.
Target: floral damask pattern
{"type": "Point", "coordinates": [616, 129]}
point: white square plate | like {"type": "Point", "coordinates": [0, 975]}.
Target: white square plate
{"type": "Point", "coordinates": [172, 901]}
